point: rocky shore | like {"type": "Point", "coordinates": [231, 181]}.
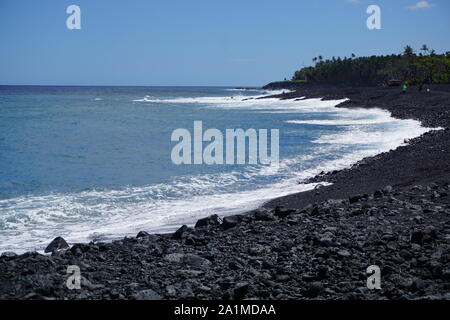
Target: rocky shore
{"type": "Point", "coordinates": [392, 211]}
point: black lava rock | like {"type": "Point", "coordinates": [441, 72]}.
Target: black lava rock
{"type": "Point", "coordinates": [212, 220]}
{"type": "Point", "coordinates": [181, 232]}
{"type": "Point", "coordinates": [314, 289]}
{"type": "Point", "coordinates": [142, 234]}
{"type": "Point", "coordinates": [57, 244]}
{"type": "Point", "coordinates": [231, 221]}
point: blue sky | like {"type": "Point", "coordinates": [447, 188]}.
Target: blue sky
{"type": "Point", "coordinates": [201, 42]}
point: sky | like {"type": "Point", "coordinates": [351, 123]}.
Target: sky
{"type": "Point", "coordinates": [201, 42]}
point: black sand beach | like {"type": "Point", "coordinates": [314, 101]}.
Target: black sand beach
{"type": "Point", "coordinates": [391, 210]}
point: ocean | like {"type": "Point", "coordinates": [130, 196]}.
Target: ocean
{"type": "Point", "coordinates": [94, 163]}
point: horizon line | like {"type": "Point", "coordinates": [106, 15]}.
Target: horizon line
{"type": "Point", "coordinates": [120, 85]}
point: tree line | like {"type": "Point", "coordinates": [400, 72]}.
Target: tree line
{"type": "Point", "coordinates": [415, 68]}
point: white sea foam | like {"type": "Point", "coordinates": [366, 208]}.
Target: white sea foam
{"type": "Point", "coordinates": [155, 208]}
{"type": "Point", "coordinates": [391, 138]}
{"type": "Point", "coordinates": [31, 221]}
{"type": "Point", "coordinates": [274, 105]}
{"type": "Point", "coordinates": [239, 98]}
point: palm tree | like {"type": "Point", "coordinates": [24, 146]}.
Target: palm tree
{"type": "Point", "coordinates": [425, 48]}
{"type": "Point", "coordinates": [408, 51]}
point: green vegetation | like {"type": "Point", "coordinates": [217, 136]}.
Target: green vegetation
{"type": "Point", "coordinates": [288, 82]}
{"type": "Point", "coordinates": [425, 67]}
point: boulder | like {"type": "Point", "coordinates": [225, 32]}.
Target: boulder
{"type": "Point", "coordinates": [264, 215]}
{"type": "Point", "coordinates": [212, 220]}
{"type": "Point", "coordinates": [181, 232]}
{"type": "Point", "coordinates": [282, 213]}
{"type": "Point", "coordinates": [231, 221]}
{"type": "Point", "coordinates": [57, 244]}
{"type": "Point", "coordinates": [142, 234]}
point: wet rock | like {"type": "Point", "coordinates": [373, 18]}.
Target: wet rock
{"type": "Point", "coordinates": [212, 220]}
{"type": "Point", "coordinates": [57, 244]}
{"type": "Point", "coordinates": [142, 234]}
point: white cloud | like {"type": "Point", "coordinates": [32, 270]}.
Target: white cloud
{"type": "Point", "coordinates": [421, 5]}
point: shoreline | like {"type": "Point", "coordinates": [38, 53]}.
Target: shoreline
{"type": "Point", "coordinates": [365, 190]}
{"type": "Point", "coordinates": [413, 105]}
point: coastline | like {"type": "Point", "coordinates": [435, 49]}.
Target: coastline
{"type": "Point", "coordinates": [416, 162]}
{"type": "Point", "coordinates": [300, 246]}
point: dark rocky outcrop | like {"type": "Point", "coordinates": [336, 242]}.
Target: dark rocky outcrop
{"type": "Point", "coordinates": [212, 220]}
{"type": "Point", "coordinates": [57, 244]}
